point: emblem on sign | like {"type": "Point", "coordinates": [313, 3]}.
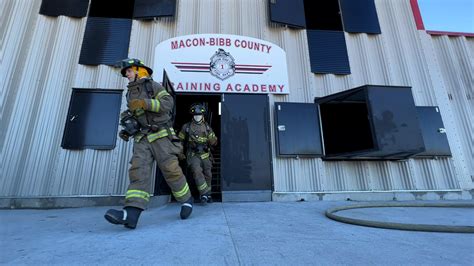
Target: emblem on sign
{"type": "Point", "coordinates": [222, 64]}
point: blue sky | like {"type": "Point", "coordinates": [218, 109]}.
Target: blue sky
{"type": "Point", "coordinates": [448, 15]}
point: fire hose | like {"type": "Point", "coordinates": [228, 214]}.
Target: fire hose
{"type": "Point", "coordinates": [331, 213]}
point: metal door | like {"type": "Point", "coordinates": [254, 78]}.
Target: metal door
{"type": "Point", "coordinates": [246, 169]}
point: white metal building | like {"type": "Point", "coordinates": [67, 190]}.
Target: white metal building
{"type": "Point", "coordinates": [39, 67]}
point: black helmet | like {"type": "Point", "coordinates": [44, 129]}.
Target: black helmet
{"type": "Point", "coordinates": [197, 109]}
{"type": "Point", "coordinates": [129, 62]}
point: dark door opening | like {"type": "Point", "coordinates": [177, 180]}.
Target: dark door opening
{"type": "Point", "coordinates": [183, 103]}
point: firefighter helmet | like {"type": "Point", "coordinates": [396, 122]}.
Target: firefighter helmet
{"type": "Point", "coordinates": [197, 109]}
{"type": "Point", "coordinates": [129, 62]}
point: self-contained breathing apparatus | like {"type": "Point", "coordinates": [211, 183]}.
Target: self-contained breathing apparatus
{"type": "Point", "coordinates": [138, 121]}
{"type": "Point", "coordinates": [192, 141]}
{"type": "Point", "coordinates": [129, 124]}
{"type": "Point", "coordinates": [199, 148]}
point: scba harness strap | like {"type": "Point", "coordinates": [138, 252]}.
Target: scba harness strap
{"type": "Point", "coordinates": [199, 149]}
{"type": "Point", "coordinates": [150, 130]}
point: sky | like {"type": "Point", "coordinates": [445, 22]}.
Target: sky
{"type": "Point", "coordinates": [448, 15]}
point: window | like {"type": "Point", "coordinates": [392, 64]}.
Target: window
{"type": "Point", "coordinates": [72, 8]}
{"type": "Point", "coordinates": [370, 122]}
{"type": "Point", "coordinates": [326, 40]}
{"type": "Point", "coordinates": [92, 120]}
{"type": "Point", "coordinates": [297, 129]}
{"type": "Point", "coordinates": [323, 15]}
{"type": "Point", "coordinates": [111, 8]}
{"type": "Point", "coordinates": [355, 16]}
{"type": "Point", "coordinates": [107, 35]}
{"type": "Point", "coordinates": [326, 22]}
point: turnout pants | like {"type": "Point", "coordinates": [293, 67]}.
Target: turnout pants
{"type": "Point", "coordinates": [201, 171]}
{"type": "Point", "coordinates": [164, 152]}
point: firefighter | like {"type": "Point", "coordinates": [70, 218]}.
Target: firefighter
{"type": "Point", "coordinates": [197, 137]}
{"type": "Point", "coordinates": [148, 122]}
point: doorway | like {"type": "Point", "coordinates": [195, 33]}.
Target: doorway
{"type": "Point", "coordinates": [242, 169]}
{"type": "Point", "coordinates": [183, 103]}
{"type": "Point", "coordinates": [213, 118]}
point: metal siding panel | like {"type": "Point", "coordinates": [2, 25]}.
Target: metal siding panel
{"type": "Point", "coordinates": [346, 176]}
{"type": "Point", "coordinates": [105, 41]}
{"type": "Point", "coordinates": [71, 8]}
{"type": "Point", "coordinates": [149, 9]}
{"type": "Point", "coordinates": [288, 12]}
{"type": "Point", "coordinates": [456, 67]}
{"type": "Point", "coordinates": [328, 52]}
{"type": "Point", "coordinates": [359, 16]}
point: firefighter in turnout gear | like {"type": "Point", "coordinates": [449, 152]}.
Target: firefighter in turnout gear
{"type": "Point", "coordinates": [197, 137]}
{"type": "Point", "coordinates": [148, 122]}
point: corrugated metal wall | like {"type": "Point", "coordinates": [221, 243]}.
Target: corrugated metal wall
{"type": "Point", "coordinates": [39, 66]}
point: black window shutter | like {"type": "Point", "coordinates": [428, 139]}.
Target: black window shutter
{"type": "Point", "coordinates": [328, 52]}
{"type": "Point", "coordinates": [297, 128]}
{"type": "Point", "coordinates": [105, 41]}
{"type": "Point", "coordinates": [288, 12]}
{"type": "Point", "coordinates": [71, 8]}
{"type": "Point", "coordinates": [93, 118]}
{"type": "Point", "coordinates": [149, 9]}
{"type": "Point", "coordinates": [359, 16]}
{"type": "Point", "coordinates": [434, 133]}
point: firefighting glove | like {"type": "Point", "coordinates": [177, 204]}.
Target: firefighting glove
{"type": "Point", "coordinates": [123, 135]}
{"type": "Point", "coordinates": [136, 104]}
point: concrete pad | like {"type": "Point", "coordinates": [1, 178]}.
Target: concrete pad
{"type": "Point", "coordinates": [281, 233]}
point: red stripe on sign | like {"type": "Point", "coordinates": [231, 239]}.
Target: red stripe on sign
{"type": "Point", "coordinates": [192, 67]}
{"type": "Point", "coordinates": [239, 72]}
{"type": "Point", "coordinates": [251, 69]}
{"type": "Point", "coordinates": [186, 63]}
{"type": "Point", "coordinates": [255, 65]}
{"type": "Point", "coordinates": [200, 71]}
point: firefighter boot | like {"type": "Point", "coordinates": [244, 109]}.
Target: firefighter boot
{"type": "Point", "coordinates": [128, 216]}
{"type": "Point", "coordinates": [186, 208]}
{"type": "Point", "coordinates": [205, 198]}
